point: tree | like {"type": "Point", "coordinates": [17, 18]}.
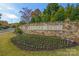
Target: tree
{"type": "Point", "coordinates": [26, 15]}
{"type": "Point", "coordinates": [37, 12]}
{"type": "Point", "coordinates": [0, 18]}
{"type": "Point", "coordinates": [51, 9]}
{"type": "Point", "coordinates": [36, 16]}
{"type": "Point", "coordinates": [59, 15]}
{"type": "Point", "coordinates": [44, 17]}
{"type": "Point", "coordinates": [0, 15]}
{"type": "Point", "coordinates": [36, 19]}
{"type": "Point", "coordinates": [77, 11]}
{"type": "Point", "coordinates": [72, 12]}
{"type": "Point", "coordinates": [69, 11]}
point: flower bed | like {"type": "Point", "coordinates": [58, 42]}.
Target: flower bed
{"type": "Point", "coordinates": [39, 42]}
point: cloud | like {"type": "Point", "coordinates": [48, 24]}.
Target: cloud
{"type": "Point", "coordinates": [6, 7]}
{"type": "Point", "coordinates": [11, 16]}
{"type": "Point", "coordinates": [1, 8]}
{"type": "Point", "coordinates": [10, 8]}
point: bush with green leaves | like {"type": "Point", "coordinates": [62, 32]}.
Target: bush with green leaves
{"type": "Point", "coordinates": [39, 42]}
{"type": "Point", "coordinates": [18, 31]}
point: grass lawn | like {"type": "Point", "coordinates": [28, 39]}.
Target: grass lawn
{"type": "Point", "coordinates": [8, 49]}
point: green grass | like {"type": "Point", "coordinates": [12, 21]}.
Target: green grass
{"type": "Point", "coordinates": [8, 49]}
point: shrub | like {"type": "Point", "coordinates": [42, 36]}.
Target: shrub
{"type": "Point", "coordinates": [18, 31]}
{"type": "Point", "coordinates": [37, 42]}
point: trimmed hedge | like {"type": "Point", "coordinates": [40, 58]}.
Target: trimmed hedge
{"type": "Point", "coordinates": [38, 42]}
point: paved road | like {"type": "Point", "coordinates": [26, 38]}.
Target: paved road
{"type": "Point", "coordinates": [7, 30]}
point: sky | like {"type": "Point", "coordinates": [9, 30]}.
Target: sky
{"type": "Point", "coordinates": [10, 11]}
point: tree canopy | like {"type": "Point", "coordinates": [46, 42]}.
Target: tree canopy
{"type": "Point", "coordinates": [53, 12]}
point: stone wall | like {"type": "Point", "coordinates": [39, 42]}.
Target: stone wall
{"type": "Point", "coordinates": [70, 30]}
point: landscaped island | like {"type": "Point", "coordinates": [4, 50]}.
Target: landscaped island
{"type": "Point", "coordinates": [51, 31]}
{"type": "Point", "coordinates": [53, 15]}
